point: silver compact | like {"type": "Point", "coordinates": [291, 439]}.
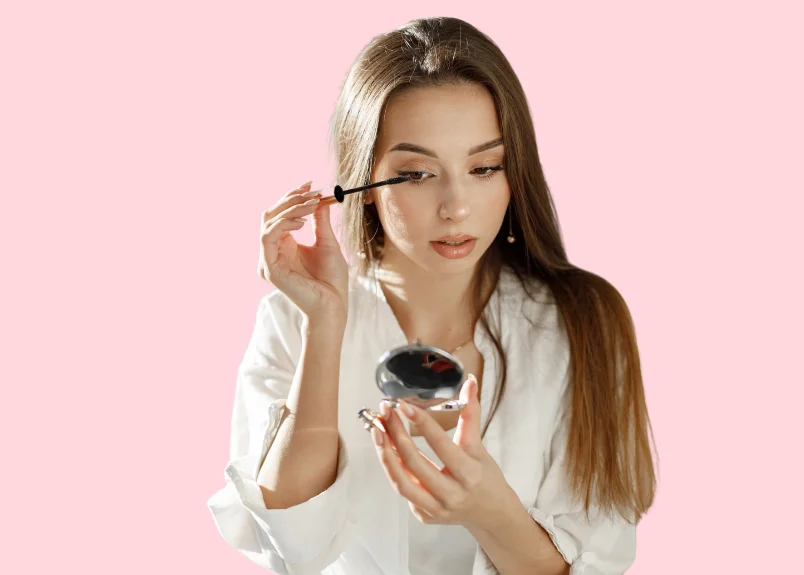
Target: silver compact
{"type": "Point", "coordinates": [423, 375]}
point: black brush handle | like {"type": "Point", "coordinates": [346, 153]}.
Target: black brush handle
{"type": "Point", "coordinates": [340, 193]}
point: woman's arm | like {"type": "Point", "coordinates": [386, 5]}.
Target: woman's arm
{"type": "Point", "coordinates": [516, 544]}
{"type": "Point", "coordinates": [302, 461]}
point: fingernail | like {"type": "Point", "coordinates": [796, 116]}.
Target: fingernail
{"type": "Point", "coordinates": [309, 194]}
{"type": "Point", "coordinates": [407, 409]}
{"type": "Point", "coordinates": [305, 184]}
{"type": "Point", "coordinates": [384, 409]}
{"type": "Point", "coordinates": [300, 220]}
{"type": "Point", "coordinates": [376, 435]}
{"type": "Point", "coordinates": [312, 202]}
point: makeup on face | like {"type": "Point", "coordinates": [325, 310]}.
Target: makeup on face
{"type": "Point", "coordinates": [454, 248]}
{"type": "Point", "coordinates": [416, 176]}
{"type": "Point", "coordinates": [417, 168]}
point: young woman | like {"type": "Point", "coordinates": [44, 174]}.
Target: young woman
{"type": "Point", "coordinates": [548, 468]}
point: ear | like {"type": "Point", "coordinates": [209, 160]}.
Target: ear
{"type": "Point", "coordinates": [368, 197]}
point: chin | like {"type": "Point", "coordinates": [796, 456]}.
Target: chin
{"type": "Point", "coordinates": [445, 266]}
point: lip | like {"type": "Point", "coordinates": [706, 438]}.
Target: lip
{"type": "Point", "coordinates": [458, 238]}
{"type": "Point", "coordinates": [454, 252]}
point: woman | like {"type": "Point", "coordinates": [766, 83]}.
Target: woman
{"type": "Point", "coordinates": [548, 467]}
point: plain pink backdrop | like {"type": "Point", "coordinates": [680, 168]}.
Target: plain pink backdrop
{"type": "Point", "coordinates": [140, 141]}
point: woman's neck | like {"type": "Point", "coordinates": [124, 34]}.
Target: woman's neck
{"type": "Point", "coordinates": [434, 308]}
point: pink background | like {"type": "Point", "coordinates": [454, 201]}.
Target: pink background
{"type": "Point", "coordinates": [140, 141]}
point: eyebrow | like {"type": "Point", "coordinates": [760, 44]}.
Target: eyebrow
{"type": "Point", "coordinates": [405, 147]}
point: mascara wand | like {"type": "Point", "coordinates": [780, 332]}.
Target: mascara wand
{"type": "Point", "coordinates": [340, 193]}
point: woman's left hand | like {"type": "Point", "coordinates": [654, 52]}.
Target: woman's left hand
{"type": "Point", "coordinates": [470, 490]}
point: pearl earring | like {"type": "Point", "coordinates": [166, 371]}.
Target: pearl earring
{"type": "Point", "coordinates": [511, 238]}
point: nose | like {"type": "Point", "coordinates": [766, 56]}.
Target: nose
{"type": "Point", "coordinates": [454, 204]}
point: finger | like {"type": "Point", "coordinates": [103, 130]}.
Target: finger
{"type": "Point", "coordinates": [292, 198]}
{"type": "Point", "coordinates": [272, 233]}
{"type": "Point", "coordinates": [300, 190]}
{"type": "Point", "coordinates": [401, 479]}
{"type": "Point", "coordinates": [284, 205]}
{"type": "Point", "coordinates": [460, 464]}
{"type": "Point", "coordinates": [422, 455]}
{"type": "Point", "coordinates": [423, 516]}
{"type": "Point", "coordinates": [467, 434]}
{"type": "Point", "coordinates": [322, 225]}
{"type": "Point", "coordinates": [303, 208]}
{"type": "Point", "coordinates": [440, 485]}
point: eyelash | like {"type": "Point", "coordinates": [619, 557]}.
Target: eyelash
{"type": "Point", "coordinates": [492, 173]}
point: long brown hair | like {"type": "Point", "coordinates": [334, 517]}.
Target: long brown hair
{"type": "Point", "coordinates": [608, 457]}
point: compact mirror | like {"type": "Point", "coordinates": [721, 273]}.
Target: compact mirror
{"type": "Point", "coordinates": [423, 375]}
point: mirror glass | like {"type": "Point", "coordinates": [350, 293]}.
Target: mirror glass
{"type": "Point", "coordinates": [421, 374]}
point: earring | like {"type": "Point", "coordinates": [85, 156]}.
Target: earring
{"type": "Point", "coordinates": [511, 238]}
{"type": "Point", "coordinates": [362, 253]}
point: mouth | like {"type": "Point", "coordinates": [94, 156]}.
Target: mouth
{"type": "Point", "coordinates": [454, 247]}
{"type": "Point", "coordinates": [455, 240]}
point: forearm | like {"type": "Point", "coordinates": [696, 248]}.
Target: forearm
{"type": "Point", "coordinates": [516, 544]}
{"type": "Point", "coordinates": [302, 461]}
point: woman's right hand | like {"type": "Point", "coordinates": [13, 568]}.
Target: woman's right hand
{"type": "Point", "coordinates": [315, 277]}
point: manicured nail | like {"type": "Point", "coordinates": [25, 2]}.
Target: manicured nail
{"type": "Point", "coordinates": [299, 220]}
{"type": "Point", "coordinates": [310, 194]}
{"type": "Point", "coordinates": [305, 184]}
{"type": "Point", "coordinates": [376, 435]}
{"type": "Point", "coordinates": [312, 202]}
{"type": "Point", "coordinates": [472, 381]}
{"type": "Point", "coordinates": [407, 409]}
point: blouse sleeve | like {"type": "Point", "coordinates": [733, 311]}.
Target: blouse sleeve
{"type": "Point", "coordinates": [597, 545]}
{"type": "Point", "coordinates": [302, 539]}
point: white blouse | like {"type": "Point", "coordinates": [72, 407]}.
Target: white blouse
{"type": "Point", "coordinates": [360, 525]}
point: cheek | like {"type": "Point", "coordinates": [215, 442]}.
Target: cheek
{"type": "Point", "coordinates": [402, 218]}
{"type": "Point", "coordinates": [501, 201]}
{"type": "Point", "coordinates": [491, 208]}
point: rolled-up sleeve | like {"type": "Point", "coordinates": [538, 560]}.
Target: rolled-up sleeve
{"type": "Point", "coordinates": [302, 539]}
{"type": "Point", "coordinates": [599, 544]}
{"type": "Point", "coordinates": [591, 547]}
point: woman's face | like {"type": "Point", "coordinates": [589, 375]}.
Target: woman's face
{"type": "Point", "coordinates": [448, 140]}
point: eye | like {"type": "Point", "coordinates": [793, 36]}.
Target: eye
{"type": "Point", "coordinates": [491, 171]}
{"type": "Point", "coordinates": [415, 177]}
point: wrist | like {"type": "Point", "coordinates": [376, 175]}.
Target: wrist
{"type": "Point", "coordinates": [331, 326]}
{"type": "Point", "coordinates": [507, 508]}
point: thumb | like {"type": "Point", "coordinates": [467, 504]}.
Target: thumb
{"type": "Point", "coordinates": [467, 434]}
{"type": "Point", "coordinates": [322, 226]}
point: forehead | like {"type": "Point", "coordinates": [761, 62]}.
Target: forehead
{"type": "Point", "coordinates": [448, 119]}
